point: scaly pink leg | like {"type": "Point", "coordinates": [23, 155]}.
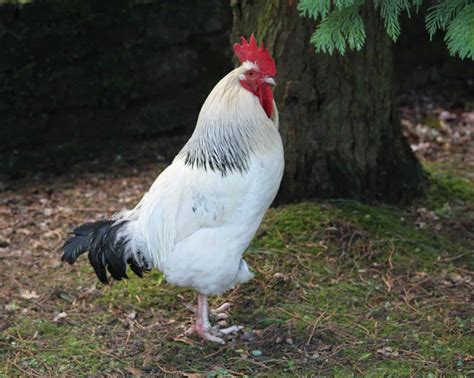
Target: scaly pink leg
{"type": "Point", "coordinates": [202, 326]}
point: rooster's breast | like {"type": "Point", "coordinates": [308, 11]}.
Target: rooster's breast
{"type": "Point", "coordinates": [217, 219]}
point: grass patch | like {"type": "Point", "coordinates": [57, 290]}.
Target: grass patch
{"type": "Point", "coordinates": [341, 288]}
{"type": "Point", "coordinates": [448, 184]}
{"type": "Point", "coordinates": [48, 348]}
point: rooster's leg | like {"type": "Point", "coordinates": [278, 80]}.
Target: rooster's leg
{"type": "Point", "coordinates": [202, 326]}
{"type": "Point", "coordinates": [219, 313]}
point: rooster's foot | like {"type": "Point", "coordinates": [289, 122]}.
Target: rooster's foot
{"type": "Point", "coordinates": [213, 334]}
{"type": "Point", "coordinates": [219, 313]}
{"type": "Point", "coordinates": [203, 326]}
{"type": "Point", "coordinates": [205, 333]}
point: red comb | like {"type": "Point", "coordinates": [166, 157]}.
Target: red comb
{"type": "Point", "coordinates": [249, 51]}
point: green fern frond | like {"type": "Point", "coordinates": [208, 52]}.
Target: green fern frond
{"type": "Point", "coordinates": [390, 12]}
{"type": "Point", "coordinates": [417, 4]}
{"type": "Point", "coordinates": [460, 34]}
{"type": "Point", "coordinates": [314, 9]}
{"type": "Point", "coordinates": [340, 4]}
{"type": "Point", "coordinates": [440, 15]}
{"type": "Point", "coordinates": [340, 28]}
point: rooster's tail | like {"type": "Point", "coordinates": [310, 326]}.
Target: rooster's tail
{"type": "Point", "coordinates": [109, 248]}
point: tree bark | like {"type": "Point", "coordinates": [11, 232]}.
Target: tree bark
{"type": "Point", "coordinates": [338, 118]}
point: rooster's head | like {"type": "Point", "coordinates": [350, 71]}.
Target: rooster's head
{"type": "Point", "coordinates": [258, 71]}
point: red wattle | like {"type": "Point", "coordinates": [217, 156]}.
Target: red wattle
{"type": "Point", "coordinates": [266, 99]}
{"type": "Point", "coordinates": [264, 93]}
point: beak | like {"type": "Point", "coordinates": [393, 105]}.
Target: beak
{"type": "Point", "coordinates": [270, 80]}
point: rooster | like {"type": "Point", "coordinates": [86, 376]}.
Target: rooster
{"type": "Point", "coordinates": [202, 211]}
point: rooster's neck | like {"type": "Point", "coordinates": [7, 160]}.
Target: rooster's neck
{"type": "Point", "coordinates": [232, 127]}
{"type": "Point", "coordinates": [264, 94]}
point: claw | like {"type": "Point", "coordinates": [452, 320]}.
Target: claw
{"type": "Point", "coordinates": [219, 317]}
{"type": "Point", "coordinates": [229, 330]}
{"type": "Point", "coordinates": [203, 328]}
{"type": "Point", "coordinates": [219, 313]}
{"type": "Point", "coordinates": [222, 308]}
{"type": "Point", "coordinates": [204, 333]}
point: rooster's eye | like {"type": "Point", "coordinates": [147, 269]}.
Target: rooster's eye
{"type": "Point", "coordinates": [251, 73]}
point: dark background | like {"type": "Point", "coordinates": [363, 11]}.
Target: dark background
{"type": "Point", "coordinates": [83, 78]}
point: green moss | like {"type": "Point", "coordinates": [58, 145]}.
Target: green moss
{"type": "Point", "coordinates": [49, 347]}
{"type": "Point", "coordinates": [446, 187]}
{"type": "Point", "coordinates": [341, 288]}
{"type": "Point", "coordinates": [391, 369]}
{"type": "Point", "coordinates": [144, 293]}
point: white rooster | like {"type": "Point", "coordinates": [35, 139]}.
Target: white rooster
{"type": "Point", "coordinates": [203, 210]}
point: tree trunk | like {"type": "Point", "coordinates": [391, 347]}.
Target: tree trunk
{"type": "Point", "coordinates": [338, 118]}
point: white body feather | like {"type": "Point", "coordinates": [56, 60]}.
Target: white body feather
{"type": "Point", "coordinates": [195, 222]}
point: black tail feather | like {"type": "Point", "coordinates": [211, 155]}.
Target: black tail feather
{"type": "Point", "coordinates": [107, 250]}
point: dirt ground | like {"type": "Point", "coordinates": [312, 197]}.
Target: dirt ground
{"type": "Point", "coordinates": [341, 287]}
